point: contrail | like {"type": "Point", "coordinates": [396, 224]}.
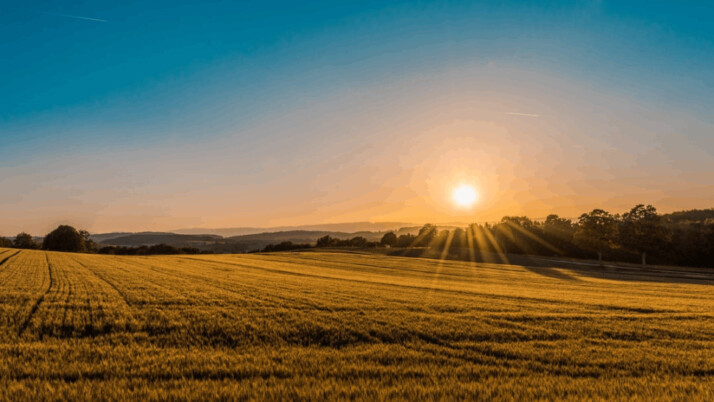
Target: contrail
{"type": "Point", "coordinates": [77, 17]}
{"type": "Point", "coordinates": [523, 114]}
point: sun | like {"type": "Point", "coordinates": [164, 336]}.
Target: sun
{"type": "Point", "coordinates": [464, 195]}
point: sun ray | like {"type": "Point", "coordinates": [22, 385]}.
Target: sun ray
{"type": "Point", "coordinates": [534, 237]}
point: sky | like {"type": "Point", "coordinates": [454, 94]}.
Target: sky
{"type": "Point", "coordinates": [133, 116]}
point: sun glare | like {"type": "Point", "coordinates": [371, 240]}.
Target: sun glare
{"type": "Point", "coordinates": [464, 195]}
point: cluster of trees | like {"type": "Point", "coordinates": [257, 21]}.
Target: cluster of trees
{"type": "Point", "coordinates": [148, 250]}
{"type": "Point", "coordinates": [325, 241]}
{"type": "Point", "coordinates": [66, 238]}
{"type": "Point", "coordinates": [285, 246]}
{"type": "Point", "coordinates": [22, 240]}
{"type": "Point", "coordinates": [425, 238]}
{"type": "Point", "coordinates": [639, 234]}
{"type": "Point", "coordinates": [357, 241]}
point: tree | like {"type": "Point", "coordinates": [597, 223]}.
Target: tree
{"type": "Point", "coordinates": [89, 244]}
{"type": "Point", "coordinates": [325, 241]}
{"type": "Point", "coordinates": [596, 231]}
{"type": "Point", "coordinates": [24, 240]}
{"type": "Point", "coordinates": [5, 242]}
{"type": "Point", "coordinates": [483, 238]}
{"type": "Point", "coordinates": [405, 240]}
{"type": "Point", "coordinates": [559, 232]}
{"type": "Point", "coordinates": [389, 239]}
{"type": "Point", "coordinates": [641, 230]}
{"type": "Point", "coordinates": [283, 246]}
{"type": "Point", "coordinates": [458, 239]}
{"type": "Point", "coordinates": [64, 238]}
{"type": "Point", "coordinates": [426, 235]}
{"type": "Point", "coordinates": [358, 241]}
{"type": "Point", "coordinates": [440, 240]}
{"type": "Point", "coordinates": [522, 221]}
{"type": "Point", "coordinates": [518, 234]}
{"type": "Point", "coordinates": [558, 226]}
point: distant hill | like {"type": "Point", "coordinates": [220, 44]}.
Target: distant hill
{"type": "Point", "coordinates": [691, 216]}
{"type": "Point", "coordinates": [101, 237]}
{"type": "Point", "coordinates": [304, 235]}
{"type": "Point", "coordinates": [260, 240]}
{"type": "Point", "coordinates": [349, 227]}
{"type": "Point", "coordinates": [151, 238]}
{"type": "Point", "coordinates": [252, 241]}
{"type": "Point", "coordinates": [219, 244]}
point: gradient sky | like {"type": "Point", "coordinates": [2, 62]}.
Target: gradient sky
{"type": "Point", "coordinates": [158, 115]}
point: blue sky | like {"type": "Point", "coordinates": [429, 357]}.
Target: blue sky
{"type": "Point", "coordinates": [139, 116]}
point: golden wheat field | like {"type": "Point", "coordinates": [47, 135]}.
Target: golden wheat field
{"type": "Point", "coordinates": [331, 325]}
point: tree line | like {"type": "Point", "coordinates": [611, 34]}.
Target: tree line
{"type": "Point", "coordinates": [64, 238]}
{"type": "Point", "coordinates": [638, 235]}
{"type": "Point", "coordinates": [68, 239]}
{"type": "Point", "coordinates": [324, 241]}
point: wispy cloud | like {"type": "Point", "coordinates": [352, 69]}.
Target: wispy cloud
{"type": "Point", "coordinates": [77, 17]}
{"type": "Point", "coordinates": [523, 114]}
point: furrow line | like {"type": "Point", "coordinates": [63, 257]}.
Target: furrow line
{"type": "Point", "coordinates": [10, 256]}
{"type": "Point", "coordinates": [103, 279]}
{"type": "Point", "coordinates": [66, 305]}
{"type": "Point", "coordinates": [39, 301]}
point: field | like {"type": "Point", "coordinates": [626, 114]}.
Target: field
{"type": "Point", "coordinates": [326, 325]}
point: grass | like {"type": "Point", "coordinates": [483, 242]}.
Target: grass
{"type": "Point", "coordinates": [331, 325]}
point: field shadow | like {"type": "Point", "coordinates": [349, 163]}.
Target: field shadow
{"type": "Point", "coordinates": [563, 269]}
{"type": "Point", "coordinates": [625, 272]}
{"type": "Point", "coordinates": [551, 272]}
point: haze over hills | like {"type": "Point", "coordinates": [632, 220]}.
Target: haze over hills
{"type": "Point", "coordinates": [151, 238]}
{"type": "Point", "coordinates": [252, 239]}
{"type": "Point", "coordinates": [217, 243]}
{"type": "Point", "coordinates": [242, 243]}
{"type": "Point", "coordinates": [347, 227]}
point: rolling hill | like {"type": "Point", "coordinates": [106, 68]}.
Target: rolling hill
{"type": "Point", "coordinates": [347, 227]}
{"type": "Point", "coordinates": [234, 244]}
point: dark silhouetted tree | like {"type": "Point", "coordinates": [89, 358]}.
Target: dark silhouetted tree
{"type": "Point", "coordinates": [358, 241]}
{"type": "Point", "coordinates": [458, 239]}
{"type": "Point", "coordinates": [483, 238]}
{"type": "Point", "coordinates": [64, 238]}
{"type": "Point", "coordinates": [426, 235]}
{"type": "Point", "coordinates": [405, 240]}
{"type": "Point", "coordinates": [389, 239]}
{"type": "Point", "coordinates": [641, 230]}
{"type": "Point", "coordinates": [518, 234]}
{"type": "Point", "coordinates": [440, 240]}
{"type": "Point", "coordinates": [24, 240]}
{"type": "Point", "coordinates": [596, 231]}
{"type": "Point", "coordinates": [558, 227]}
{"type": "Point", "coordinates": [325, 241]}
{"type": "Point", "coordinates": [285, 246]}
{"type": "Point", "coordinates": [559, 232]}
{"type": "Point", "coordinates": [5, 242]}
{"type": "Point", "coordinates": [89, 244]}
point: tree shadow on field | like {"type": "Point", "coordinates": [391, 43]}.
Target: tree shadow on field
{"type": "Point", "coordinates": [631, 272]}
{"type": "Point", "coordinates": [551, 272]}
{"type": "Point", "coordinates": [571, 269]}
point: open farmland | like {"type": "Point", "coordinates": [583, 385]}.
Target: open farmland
{"type": "Point", "coordinates": [347, 325]}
